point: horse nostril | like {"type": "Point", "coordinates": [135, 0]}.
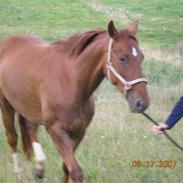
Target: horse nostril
{"type": "Point", "coordinates": [140, 106]}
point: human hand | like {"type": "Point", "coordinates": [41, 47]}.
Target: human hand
{"type": "Point", "coordinates": [160, 128]}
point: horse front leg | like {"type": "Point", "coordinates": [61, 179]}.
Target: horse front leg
{"type": "Point", "coordinates": [75, 140]}
{"type": "Point", "coordinates": [65, 178]}
{"type": "Point", "coordinates": [64, 146]}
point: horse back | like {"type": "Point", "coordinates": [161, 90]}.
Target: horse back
{"type": "Point", "coordinates": [16, 43]}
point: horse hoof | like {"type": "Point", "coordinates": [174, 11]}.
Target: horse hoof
{"type": "Point", "coordinates": [39, 173]}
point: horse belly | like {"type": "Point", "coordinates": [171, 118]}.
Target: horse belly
{"type": "Point", "coordinates": [29, 108]}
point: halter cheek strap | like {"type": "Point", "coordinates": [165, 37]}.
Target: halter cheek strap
{"type": "Point", "coordinates": [110, 69]}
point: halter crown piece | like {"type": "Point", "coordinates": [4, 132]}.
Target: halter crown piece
{"type": "Point", "coordinates": [110, 69]}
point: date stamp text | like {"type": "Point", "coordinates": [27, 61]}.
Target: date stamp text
{"type": "Point", "coordinates": [153, 164]}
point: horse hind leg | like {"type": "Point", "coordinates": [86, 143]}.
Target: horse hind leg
{"type": "Point", "coordinates": [8, 116]}
{"type": "Point", "coordinates": [40, 157]}
{"type": "Point", "coordinates": [30, 142]}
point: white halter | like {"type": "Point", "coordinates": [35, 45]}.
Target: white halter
{"type": "Point", "coordinates": [110, 68]}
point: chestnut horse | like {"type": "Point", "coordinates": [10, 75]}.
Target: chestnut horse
{"type": "Point", "coordinates": [52, 84]}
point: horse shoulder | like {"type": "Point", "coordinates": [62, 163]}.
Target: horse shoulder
{"type": "Point", "coordinates": [58, 105]}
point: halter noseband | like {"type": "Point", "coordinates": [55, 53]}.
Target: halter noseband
{"type": "Point", "coordinates": [127, 84]}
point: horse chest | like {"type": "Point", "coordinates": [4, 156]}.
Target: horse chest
{"type": "Point", "coordinates": [79, 119]}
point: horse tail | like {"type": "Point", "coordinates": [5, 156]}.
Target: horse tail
{"type": "Point", "coordinates": [26, 141]}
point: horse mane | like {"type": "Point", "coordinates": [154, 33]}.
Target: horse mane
{"type": "Point", "coordinates": [77, 43]}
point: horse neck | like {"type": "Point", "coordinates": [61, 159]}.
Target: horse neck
{"type": "Point", "coordinates": [90, 66]}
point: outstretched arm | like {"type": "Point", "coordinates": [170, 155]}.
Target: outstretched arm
{"type": "Point", "coordinates": [176, 114]}
{"type": "Point", "coordinates": [173, 118]}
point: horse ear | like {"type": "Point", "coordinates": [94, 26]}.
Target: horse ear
{"type": "Point", "coordinates": [112, 30]}
{"type": "Point", "coordinates": [133, 27]}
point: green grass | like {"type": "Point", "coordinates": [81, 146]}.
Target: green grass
{"type": "Point", "coordinates": [116, 137]}
{"type": "Point", "coordinates": [161, 20]}
{"type": "Point", "coordinates": [48, 19]}
{"type": "Point", "coordinates": [160, 74]}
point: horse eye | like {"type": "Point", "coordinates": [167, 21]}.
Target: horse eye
{"type": "Point", "coordinates": [123, 59]}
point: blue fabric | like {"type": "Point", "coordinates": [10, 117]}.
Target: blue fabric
{"type": "Point", "coordinates": [176, 114]}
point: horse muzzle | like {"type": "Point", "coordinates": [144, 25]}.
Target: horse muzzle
{"type": "Point", "coordinates": [137, 106]}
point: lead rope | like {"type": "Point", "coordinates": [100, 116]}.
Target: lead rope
{"type": "Point", "coordinates": [164, 132]}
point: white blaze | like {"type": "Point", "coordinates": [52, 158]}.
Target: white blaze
{"type": "Point", "coordinates": [134, 52]}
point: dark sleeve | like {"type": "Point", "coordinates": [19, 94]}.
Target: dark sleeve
{"type": "Point", "coordinates": [176, 114]}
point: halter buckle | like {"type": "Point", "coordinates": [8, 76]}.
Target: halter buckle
{"type": "Point", "coordinates": [128, 86]}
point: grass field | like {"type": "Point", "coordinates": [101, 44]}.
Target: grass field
{"type": "Point", "coordinates": [116, 137]}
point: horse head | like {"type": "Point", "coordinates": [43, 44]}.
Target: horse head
{"type": "Point", "coordinates": [123, 66]}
